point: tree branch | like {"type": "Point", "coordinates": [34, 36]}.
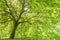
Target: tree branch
{"type": "Point", "coordinates": [31, 17]}
{"type": "Point", "coordinates": [27, 20]}
{"type": "Point", "coordinates": [9, 10]}
{"type": "Point", "coordinates": [15, 10]}
{"type": "Point", "coordinates": [22, 10]}
{"type": "Point", "coordinates": [6, 15]}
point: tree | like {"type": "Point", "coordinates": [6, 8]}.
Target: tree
{"type": "Point", "coordinates": [32, 12]}
{"type": "Point", "coordinates": [10, 13]}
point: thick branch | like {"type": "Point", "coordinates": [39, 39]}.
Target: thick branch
{"type": "Point", "coordinates": [28, 20]}
{"type": "Point", "coordinates": [8, 14]}
{"type": "Point", "coordinates": [9, 10]}
{"type": "Point", "coordinates": [22, 10]}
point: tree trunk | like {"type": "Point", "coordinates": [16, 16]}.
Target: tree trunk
{"type": "Point", "coordinates": [14, 30]}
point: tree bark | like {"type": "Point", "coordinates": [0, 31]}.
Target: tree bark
{"type": "Point", "coordinates": [14, 30]}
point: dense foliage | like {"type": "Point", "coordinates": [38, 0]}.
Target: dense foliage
{"type": "Point", "coordinates": [40, 19]}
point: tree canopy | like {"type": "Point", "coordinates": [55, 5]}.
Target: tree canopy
{"type": "Point", "coordinates": [38, 19]}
